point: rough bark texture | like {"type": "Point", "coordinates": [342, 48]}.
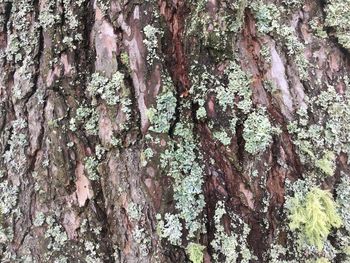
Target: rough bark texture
{"type": "Point", "coordinates": [142, 131]}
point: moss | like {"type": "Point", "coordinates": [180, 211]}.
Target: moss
{"type": "Point", "coordinates": [314, 215]}
{"type": "Point", "coordinates": [195, 252]}
{"type": "Point", "coordinates": [322, 260]}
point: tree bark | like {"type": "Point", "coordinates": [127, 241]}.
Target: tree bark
{"type": "Point", "coordinates": [134, 131]}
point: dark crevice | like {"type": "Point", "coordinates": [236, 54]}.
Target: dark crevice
{"type": "Point", "coordinates": [174, 54]}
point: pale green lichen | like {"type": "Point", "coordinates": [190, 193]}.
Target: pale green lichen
{"type": "Point", "coordinates": [88, 117]}
{"type": "Point", "coordinates": [238, 85]}
{"type": "Point", "coordinates": [270, 20]}
{"type": "Point", "coordinates": [195, 252]}
{"type": "Point", "coordinates": [233, 246]}
{"type": "Point", "coordinates": [171, 229]}
{"type": "Point", "coordinates": [217, 31]}
{"type": "Point", "coordinates": [134, 211]}
{"type": "Point", "coordinates": [164, 113]}
{"type": "Point", "coordinates": [337, 16]}
{"type": "Point", "coordinates": [146, 155]}
{"type": "Point", "coordinates": [318, 28]}
{"type": "Point", "coordinates": [8, 197]}
{"type": "Point", "coordinates": [90, 165]}
{"type": "Point", "coordinates": [39, 219]}
{"type": "Point", "coordinates": [56, 235]}
{"type": "Point", "coordinates": [222, 137]}
{"type": "Point", "coordinates": [91, 249]}
{"type": "Point", "coordinates": [257, 132]}
{"type": "Point", "coordinates": [327, 163]}
{"type": "Point", "coordinates": [319, 143]}
{"type": "Point", "coordinates": [15, 156]}
{"type": "Point", "coordinates": [140, 236]}
{"type": "Point", "coordinates": [276, 253]}
{"type": "Point", "coordinates": [151, 41]}
{"type": "Point", "coordinates": [47, 16]}
{"type": "Point", "coordinates": [182, 164]}
{"type": "Point", "coordinates": [106, 88]}
{"type": "Point", "coordinates": [343, 200]}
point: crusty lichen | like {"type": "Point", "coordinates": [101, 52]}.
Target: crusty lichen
{"type": "Point", "coordinates": [257, 132]}
{"type": "Point", "coordinates": [152, 34]}
{"type": "Point", "coordinates": [270, 20]}
{"type": "Point", "coordinates": [164, 113]}
{"type": "Point", "coordinates": [337, 16]}
{"type": "Point", "coordinates": [107, 89]}
{"type": "Point", "coordinates": [195, 252]}
{"type": "Point", "coordinates": [233, 246]}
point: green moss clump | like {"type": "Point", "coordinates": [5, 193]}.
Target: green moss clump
{"type": "Point", "coordinates": [314, 215]}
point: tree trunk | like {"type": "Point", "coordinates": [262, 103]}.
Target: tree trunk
{"type": "Point", "coordinates": [174, 131]}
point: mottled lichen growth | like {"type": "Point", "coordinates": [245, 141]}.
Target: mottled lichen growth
{"type": "Point", "coordinates": [8, 197]}
{"type": "Point", "coordinates": [319, 143]}
{"type": "Point", "coordinates": [152, 35]}
{"type": "Point", "coordinates": [171, 229]}
{"type": "Point", "coordinates": [216, 31]}
{"type": "Point", "coordinates": [234, 246]}
{"type": "Point", "coordinates": [90, 164]}
{"type": "Point", "coordinates": [107, 89]}
{"type": "Point", "coordinates": [182, 163]}
{"type": "Point", "coordinates": [238, 87]}
{"type": "Point", "coordinates": [88, 117]}
{"type": "Point", "coordinates": [162, 116]}
{"type": "Point", "coordinates": [343, 200]}
{"type": "Point", "coordinates": [270, 20]}
{"type": "Point", "coordinates": [257, 132]}
{"type": "Point", "coordinates": [337, 16]}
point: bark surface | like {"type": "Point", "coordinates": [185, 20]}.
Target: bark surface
{"type": "Point", "coordinates": [124, 124]}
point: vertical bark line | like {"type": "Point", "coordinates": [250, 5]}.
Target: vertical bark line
{"type": "Point", "coordinates": [132, 39]}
